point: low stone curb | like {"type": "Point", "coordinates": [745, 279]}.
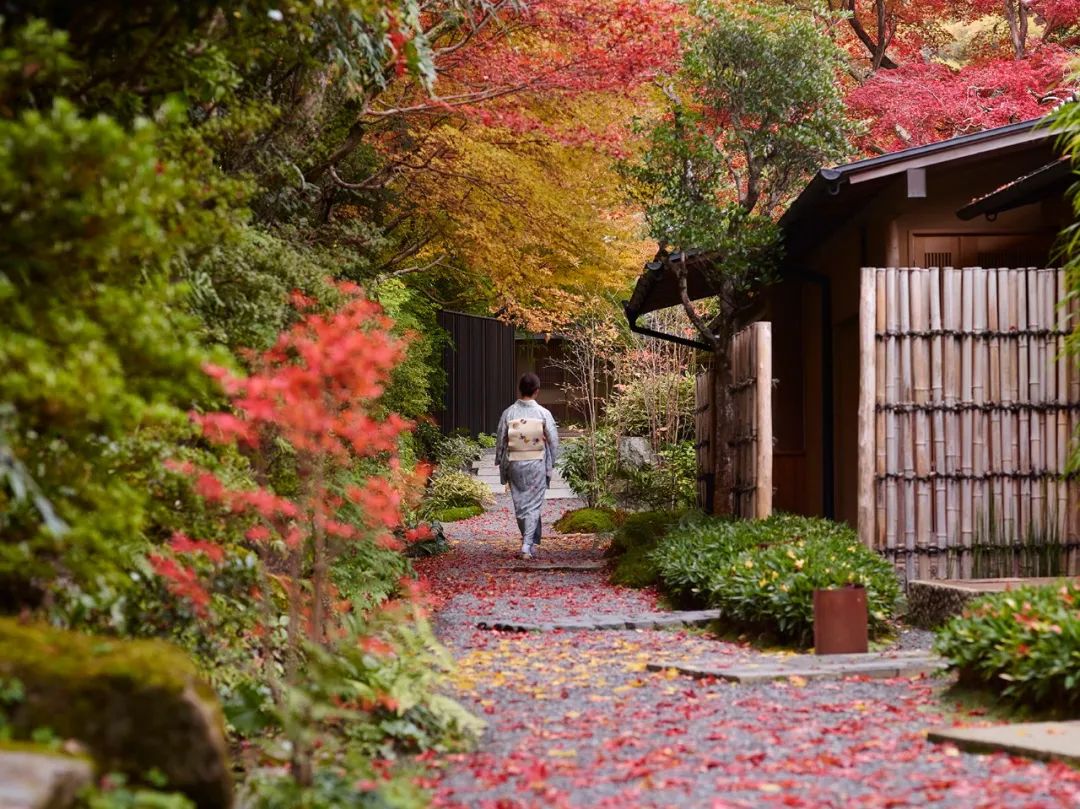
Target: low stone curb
{"type": "Point", "coordinates": [810, 667]}
{"type": "Point", "coordinates": [566, 566]}
{"type": "Point", "coordinates": [592, 623]}
{"type": "Point", "coordinates": [1045, 741]}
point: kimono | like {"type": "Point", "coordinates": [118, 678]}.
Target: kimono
{"type": "Point", "coordinates": [527, 440]}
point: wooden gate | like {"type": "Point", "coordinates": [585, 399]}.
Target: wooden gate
{"type": "Point", "coordinates": [966, 414]}
{"type": "Point", "coordinates": [752, 434]}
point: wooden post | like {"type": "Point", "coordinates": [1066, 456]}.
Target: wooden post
{"type": "Point", "coordinates": [763, 402]}
{"type": "Point", "coordinates": [867, 396]}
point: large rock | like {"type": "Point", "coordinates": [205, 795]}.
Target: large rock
{"type": "Point", "coordinates": [636, 452]}
{"type": "Point", "coordinates": [135, 705]}
{"type": "Point", "coordinates": [37, 779]}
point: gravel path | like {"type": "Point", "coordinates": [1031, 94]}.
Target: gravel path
{"type": "Point", "coordinates": [574, 720]}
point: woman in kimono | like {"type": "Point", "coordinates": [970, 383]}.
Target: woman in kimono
{"type": "Point", "coordinates": [526, 443]}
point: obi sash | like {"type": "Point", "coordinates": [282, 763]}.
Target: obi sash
{"type": "Point", "coordinates": [525, 439]}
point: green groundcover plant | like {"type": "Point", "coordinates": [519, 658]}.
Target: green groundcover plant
{"type": "Point", "coordinates": [762, 574]}
{"type": "Point", "coordinates": [1023, 645]}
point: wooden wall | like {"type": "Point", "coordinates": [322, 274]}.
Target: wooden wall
{"type": "Point", "coordinates": [480, 372]}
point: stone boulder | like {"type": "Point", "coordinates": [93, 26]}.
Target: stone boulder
{"type": "Point", "coordinates": [136, 705]}
{"type": "Point", "coordinates": [636, 452]}
{"type": "Point", "coordinates": [40, 779]}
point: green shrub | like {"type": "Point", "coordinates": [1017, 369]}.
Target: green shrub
{"type": "Point", "coordinates": [367, 574]}
{"type": "Point", "coordinates": [486, 440]}
{"type": "Point", "coordinates": [762, 574]}
{"type": "Point", "coordinates": [644, 529]}
{"type": "Point", "coordinates": [432, 546]}
{"type": "Point", "coordinates": [586, 521]}
{"type": "Point", "coordinates": [454, 489]}
{"type": "Point", "coordinates": [458, 513]}
{"type": "Point", "coordinates": [629, 408]}
{"type": "Point", "coordinates": [635, 540]}
{"type": "Point", "coordinates": [455, 453]}
{"type": "Point", "coordinates": [1023, 644]}
{"type": "Point", "coordinates": [669, 484]}
{"type": "Point", "coordinates": [576, 466]}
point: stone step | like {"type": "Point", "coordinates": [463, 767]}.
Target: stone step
{"type": "Point", "coordinates": [588, 623]}
{"type": "Point", "coordinates": [768, 668]}
{"type": "Point", "coordinates": [932, 602]}
{"type": "Point", "coordinates": [531, 567]}
{"type": "Point", "coordinates": [559, 494]}
{"type": "Point", "coordinates": [1046, 741]}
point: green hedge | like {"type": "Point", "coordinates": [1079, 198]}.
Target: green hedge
{"type": "Point", "coordinates": [762, 574]}
{"type": "Point", "coordinates": [1023, 644]}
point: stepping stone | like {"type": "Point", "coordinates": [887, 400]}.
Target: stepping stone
{"type": "Point", "coordinates": [1046, 741]}
{"type": "Point", "coordinates": [601, 622]}
{"type": "Point", "coordinates": [932, 603]}
{"type": "Point", "coordinates": [530, 566]}
{"type": "Point", "coordinates": [769, 668]}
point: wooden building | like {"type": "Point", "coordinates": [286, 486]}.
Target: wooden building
{"type": "Point", "coordinates": [926, 405]}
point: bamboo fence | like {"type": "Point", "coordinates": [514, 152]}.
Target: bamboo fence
{"type": "Point", "coordinates": [968, 406]}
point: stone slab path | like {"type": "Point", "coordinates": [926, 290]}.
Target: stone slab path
{"type": "Point", "coordinates": [768, 668]}
{"type": "Point", "coordinates": [575, 719]}
{"type": "Point", "coordinates": [1046, 741]}
{"type": "Point", "coordinates": [653, 620]}
{"type": "Point", "coordinates": [540, 567]}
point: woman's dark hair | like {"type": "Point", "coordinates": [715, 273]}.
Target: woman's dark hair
{"type": "Point", "coordinates": [529, 384]}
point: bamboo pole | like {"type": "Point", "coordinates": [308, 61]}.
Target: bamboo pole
{"type": "Point", "coordinates": [907, 442]}
{"type": "Point", "coordinates": [1007, 324]}
{"type": "Point", "coordinates": [937, 396]}
{"type": "Point", "coordinates": [763, 395]}
{"type": "Point", "coordinates": [980, 502]}
{"type": "Point", "coordinates": [880, 369]}
{"type": "Point", "coordinates": [967, 516]}
{"type": "Point", "coordinates": [867, 396]}
{"type": "Point", "coordinates": [1023, 391]}
{"type": "Point", "coordinates": [920, 361]}
{"type": "Point", "coordinates": [952, 419]}
{"type": "Point", "coordinates": [995, 489]}
{"type": "Point", "coordinates": [1062, 398]}
{"type": "Point", "coordinates": [892, 396]}
{"type": "Point", "coordinates": [1048, 380]}
{"type": "Point", "coordinates": [1036, 371]}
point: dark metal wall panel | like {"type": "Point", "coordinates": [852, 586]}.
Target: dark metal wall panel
{"type": "Point", "coordinates": [480, 374]}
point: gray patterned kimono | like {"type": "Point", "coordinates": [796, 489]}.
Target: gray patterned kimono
{"type": "Point", "coordinates": [528, 479]}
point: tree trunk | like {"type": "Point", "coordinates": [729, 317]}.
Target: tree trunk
{"type": "Point", "coordinates": [723, 471]}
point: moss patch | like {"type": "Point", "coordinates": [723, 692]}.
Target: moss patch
{"type": "Point", "coordinates": [586, 521]}
{"type": "Point", "coordinates": [136, 705]}
{"type": "Point", "coordinates": [458, 513]}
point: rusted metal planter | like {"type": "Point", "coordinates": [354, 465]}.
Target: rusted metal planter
{"type": "Point", "coordinates": [840, 620]}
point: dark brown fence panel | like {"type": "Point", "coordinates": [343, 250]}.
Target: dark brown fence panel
{"type": "Point", "coordinates": [480, 374]}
